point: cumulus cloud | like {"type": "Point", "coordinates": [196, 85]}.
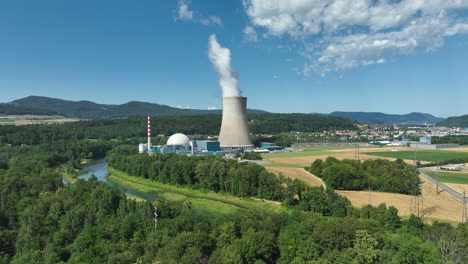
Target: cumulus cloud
{"type": "Point", "coordinates": [339, 35]}
{"type": "Point", "coordinates": [184, 13]}
{"type": "Point", "coordinates": [220, 57]}
{"type": "Point", "coordinates": [212, 108]}
{"type": "Point", "coordinates": [250, 34]}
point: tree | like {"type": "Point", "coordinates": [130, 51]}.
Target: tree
{"type": "Point", "coordinates": [365, 248]}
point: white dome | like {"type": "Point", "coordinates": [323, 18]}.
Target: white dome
{"type": "Point", "coordinates": [178, 139]}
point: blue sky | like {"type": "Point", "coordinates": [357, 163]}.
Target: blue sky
{"type": "Point", "coordinates": [289, 57]}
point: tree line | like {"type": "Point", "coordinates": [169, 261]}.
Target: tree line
{"type": "Point", "coordinates": [460, 139]}
{"type": "Point", "coordinates": [134, 129]}
{"type": "Point", "coordinates": [377, 174]}
{"type": "Point", "coordinates": [199, 172]}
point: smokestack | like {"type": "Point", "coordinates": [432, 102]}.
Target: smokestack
{"type": "Point", "coordinates": [234, 128]}
{"type": "Point", "coordinates": [149, 133]}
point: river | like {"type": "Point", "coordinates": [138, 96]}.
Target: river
{"type": "Point", "coordinates": [99, 169]}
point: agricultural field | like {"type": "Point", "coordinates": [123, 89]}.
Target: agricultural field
{"type": "Point", "coordinates": [305, 158]}
{"type": "Point", "coordinates": [423, 155]}
{"type": "Point", "coordinates": [440, 206]}
{"type": "Point", "coordinates": [434, 206]}
{"type": "Point", "coordinates": [297, 173]}
{"type": "Point", "coordinates": [298, 154]}
{"type": "Point", "coordinates": [282, 165]}
{"type": "Point", "coordinates": [450, 177]}
{"type": "Point", "coordinates": [33, 119]}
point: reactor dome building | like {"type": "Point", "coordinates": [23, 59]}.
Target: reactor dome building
{"type": "Point", "coordinates": [178, 139]}
{"type": "Point", "coordinates": [234, 133]}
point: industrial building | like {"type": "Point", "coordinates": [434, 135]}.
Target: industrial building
{"type": "Point", "coordinates": [425, 143]}
{"type": "Point", "coordinates": [433, 146]}
{"type": "Point", "coordinates": [234, 136]}
{"type": "Point", "coordinates": [181, 144]}
{"type": "Point", "coordinates": [270, 146]}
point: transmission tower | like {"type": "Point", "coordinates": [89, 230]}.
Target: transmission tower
{"type": "Point", "coordinates": [464, 212]}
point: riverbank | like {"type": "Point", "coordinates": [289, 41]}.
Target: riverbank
{"type": "Point", "coordinates": [206, 201]}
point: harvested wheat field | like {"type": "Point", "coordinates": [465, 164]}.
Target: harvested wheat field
{"type": "Point", "coordinates": [459, 188]}
{"type": "Point", "coordinates": [297, 173]}
{"type": "Point", "coordinates": [442, 206]}
{"type": "Point", "coordinates": [340, 154]}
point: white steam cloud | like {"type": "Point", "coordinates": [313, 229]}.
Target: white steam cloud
{"type": "Point", "coordinates": [220, 57]}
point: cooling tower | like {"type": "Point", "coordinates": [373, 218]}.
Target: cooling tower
{"type": "Point", "coordinates": [234, 128]}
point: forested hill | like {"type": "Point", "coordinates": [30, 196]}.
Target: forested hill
{"type": "Point", "coordinates": [135, 127]}
{"type": "Point", "coordinates": [382, 118]}
{"type": "Point", "coordinates": [455, 121]}
{"type": "Point", "coordinates": [90, 110]}
{"type": "Point", "coordinates": [10, 109]}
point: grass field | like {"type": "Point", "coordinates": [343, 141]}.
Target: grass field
{"type": "Point", "coordinates": [298, 154]}
{"type": "Point", "coordinates": [423, 155]}
{"type": "Point", "coordinates": [449, 177]}
{"type": "Point", "coordinates": [206, 201]}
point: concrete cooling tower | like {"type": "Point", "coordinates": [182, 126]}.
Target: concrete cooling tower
{"type": "Point", "coordinates": [234, 132]}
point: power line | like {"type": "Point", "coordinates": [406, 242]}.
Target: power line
{"type": "Point", "coordinates": [155, 219]}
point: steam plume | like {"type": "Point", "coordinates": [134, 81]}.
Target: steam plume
{"type": "Point", "coordinates": [220, 57]}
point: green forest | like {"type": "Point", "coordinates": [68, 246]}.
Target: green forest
{"type": "Point", "coordinates": [133, 130]}
{"type": "Point", "coordinates": [44, 221]}
{"type": "Point", "coordinates": [377, 174]}
{"type": "Point", "coordinates": [200, 172]}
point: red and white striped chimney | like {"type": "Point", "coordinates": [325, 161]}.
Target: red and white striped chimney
{"type": "Point", "coordinates": [149, 132]}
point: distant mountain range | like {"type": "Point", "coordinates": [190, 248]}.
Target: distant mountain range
{"type": "Point", "coordinates": [40, 105]}
{"type": "Point", "coordinates": [455, 121]}
{"type": "Point", "coordinates": [381, 118]}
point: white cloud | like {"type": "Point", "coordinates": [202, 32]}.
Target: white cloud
{"type": "Point", "coordinates": [250, 34]}
{"type": "Point", "coordinates": [185, 14]}
{"type": "Point", "coordinates": [212, 108]}
{"type": "Point", "coordinates": [216, 20]}
{"type": "Point", "coordinates": [339, 35]}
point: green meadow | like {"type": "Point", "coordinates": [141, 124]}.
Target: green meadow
{"type": "Point", "coordinates": [423, 155]}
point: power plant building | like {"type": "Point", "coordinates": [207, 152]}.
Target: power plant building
{"type": "Point", "coordinates": [234, 136]}
{"type": "Point", "coordinates": [234, 132]}
{"type": "Point", "coordinates": [209, 145]}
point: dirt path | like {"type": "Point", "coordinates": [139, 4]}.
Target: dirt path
{"type": "Point", "coordinates": [297, 173]}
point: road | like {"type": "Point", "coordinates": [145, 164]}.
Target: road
{"type": "Point", "coordinates": [442, 186]}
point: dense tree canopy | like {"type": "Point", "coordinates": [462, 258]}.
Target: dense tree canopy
{"type": "Point", "coordinates": [209, 173]}
{"type": "Point", "coordinates": [44, 221]}
{"type": "Point", "coordinates": [378, 174]}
